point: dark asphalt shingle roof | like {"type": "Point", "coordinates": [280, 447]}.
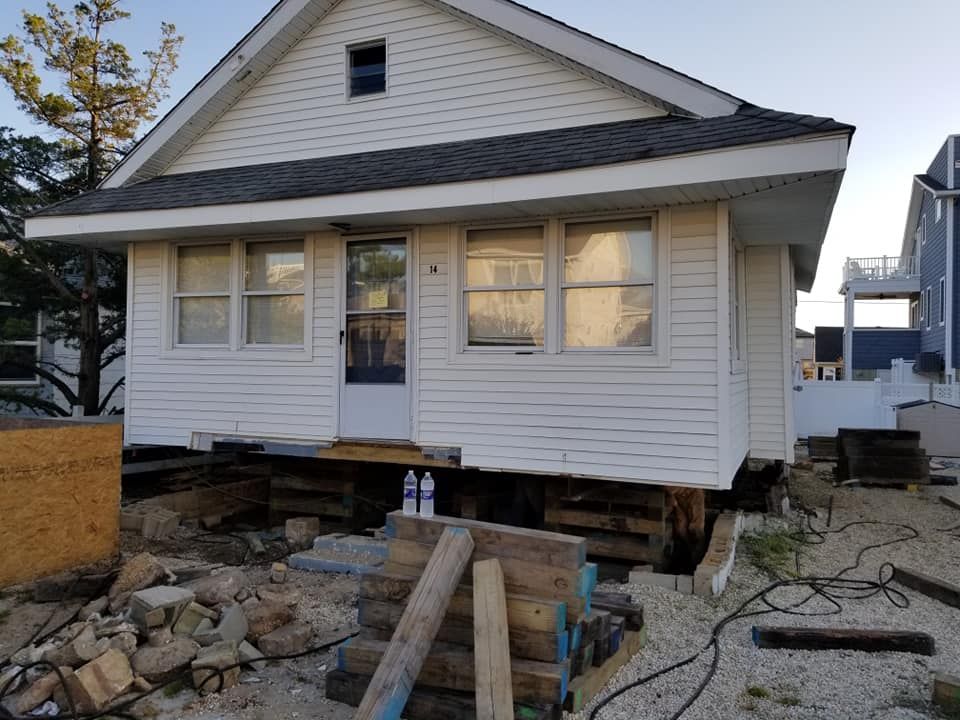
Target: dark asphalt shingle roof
{"type": "Point", "coordinates": [481, 159]}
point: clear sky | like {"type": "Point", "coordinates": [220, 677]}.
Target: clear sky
{"type": "Point", "coordinates": [886, 66]}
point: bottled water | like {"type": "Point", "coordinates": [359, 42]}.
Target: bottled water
{"type": "Point", "coordinates": [410, 494]}
{"type": "Point", "coordinates": [426, 496]}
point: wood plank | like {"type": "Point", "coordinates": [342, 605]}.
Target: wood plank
{"type": "Point", "coordinates": [950, 502]}
{"type": "Point", "coordinates": [494, 540]}
{"type": "Point", "coordinates": [601, 646]}
{"type": "Point", "coordinates": [528, 578]}
{"type": "Point", "coordinates": [795, 638]}
{"type": "Point", "coordinates": [491, 643]}
{"type": "Point", "coordinates": [625, 548]}
{"type": "Point", "coordinates": [529, 644]}
{"type": "Point", "coordinates": [616, 493]}
{"type": "Point", "coordinates": [619, 605]}
{"type": "Point", "coordinates": [946, 691]}
{"type": "Point", "coordinates": [524, 612]}
{"type": "Point", "coordinates": [395, 453]}
{"type": "Point", "coordinates": [584, 688]}
{"type": "Point", "coordinates": [348, 688]}
{"type": "Point", "coordinates": [604, 521]}
{"type": "Point", "coordinates": [945, 592]}
{"type": "Point", "coordinates": [403, 658]}
{"type": "Point", "coordinates": [452, 669]}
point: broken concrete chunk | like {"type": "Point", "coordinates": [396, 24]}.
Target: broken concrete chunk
{"type": "Point", "coordinates": [142, 685]}
{"type": "Point", "coordinates": [300, 532]}
{"type": "Point", "coordinates": [39, 692]}
{"type": "Point", "coordinates": [109, 627]}
{"type": "Point", "coordinates": [232, 627]}
{"type": "Point", "coordinates": [139, 572]}
{"type": "Point", "coordinates": [219, 656]}
{"type": "Point", "coordinates": [68, 585]}
{"type": "Point", "coordinates": [190, 618]}
{"type": "Point", "coordinates": [154, 618]}
{"type": "Point", "coordinates": [162, 663]}
{"type": "Point", "coordinates": [160, 636]}
{"type": "Point", "coordinates": [94, 607]}
{"type": "Point", "coordinates": [249, 655]}
{"type": "Point", "coordinates": [81, 647]}
{"type": "Point", "coordinates": [219, 589]}
{"type": "Point", "coordinates": [105, 678]}
{"type": "Point", "coordinates": [283, 593]}
{"type": "Point", "coordinates": [204, 626]}
{"type": "Point", "coordinates": [266, 617]}
{"type": "Point", "coordinates": [278, 573]}
{"type": "Point", "coordinates": [159, 523]}
{"type": "Point", "coordinates": [287, 640]}
{"type": "Point", "coordinates": [158, 606]}
{"type": "Point", "coordinates": [124, 642]}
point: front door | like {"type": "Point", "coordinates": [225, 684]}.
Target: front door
{"type": "Point", "coordinates": [375, 394]}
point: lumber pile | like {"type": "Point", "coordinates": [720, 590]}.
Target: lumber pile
{"type": "Point", "coordinates": [882, 457]}
{"type": "Point", "coordinates": [619, 521]}
{"type": "Point", "coordinates": [521, 634]}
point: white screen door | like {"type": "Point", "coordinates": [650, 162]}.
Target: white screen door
{"type": "Point", "coordinates": [375, 395]}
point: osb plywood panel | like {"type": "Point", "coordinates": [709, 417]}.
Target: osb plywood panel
{"type": "Point", "coordinates": [59, 498]}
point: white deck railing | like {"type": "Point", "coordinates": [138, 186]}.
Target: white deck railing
{"type": "Point", "coordinates": [880, 268]}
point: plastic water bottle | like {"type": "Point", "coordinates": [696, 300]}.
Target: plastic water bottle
{"type": "Point", "coordinates": [426, 496]}
{"type": "Point", "coordinates": [410, 494]}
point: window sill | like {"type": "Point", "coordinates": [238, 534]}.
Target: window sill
{"type": "Point", "coordinates": [587, 357]}
{"type": "Point", "coordinates": [367, 98]}
{"type": "Point", "coordinates": [283, 354]}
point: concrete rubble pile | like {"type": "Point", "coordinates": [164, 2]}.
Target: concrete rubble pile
{"type": "Point", "coordinates": [153, 627]}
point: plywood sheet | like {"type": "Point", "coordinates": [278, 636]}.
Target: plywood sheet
{"type": "Point", "coordinates": [59, 498]}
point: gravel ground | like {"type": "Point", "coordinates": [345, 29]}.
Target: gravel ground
{"type": "Point", "coordinates": [753, 683]}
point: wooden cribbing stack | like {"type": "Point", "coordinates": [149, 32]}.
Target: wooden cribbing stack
{"type": "Point", "coordinates": [529, 597]}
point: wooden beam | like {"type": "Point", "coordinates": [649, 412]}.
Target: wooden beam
{"type": "Point", "coordinates": [946, 691]}
{"type": "Point", "coordinates": [348, 688]}
{"type": "Point", "coordinates": [394, 453]}
{"type": "Point", "coordinates": [949, 502]}
{"type": "Point", "coordinates": [494, 540]}
{"type": "Point", "coordinates": [618, 522]}
{"type": "Point", "coordinates": [529, 644]}
{"type": "Point", "coordinates": [625, 548]}
{"type": "Point", "coordinates": [491, 643]}
{"type": "Point", "coordinates": [932, 587]}
{"type": "Point", "coordinates": [796, 638]}
{"type": "Point", "coordinates": [584, 688]}
{"type": "Point", "coordinates": [403, 658]}
{"type": "Point", "coordinates": [524, 612]}
{"type": "Point", "coordinates": [619, 605]}
{"type": "Point", "coordinates": [451, 668]}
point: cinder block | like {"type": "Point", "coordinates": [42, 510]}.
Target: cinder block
{"type": "Point", "coordinates": [105, 678]}
{"type": "Point", "coordinates": [190, 618]}
{"type": "Point", "coordinates": [651, 578]}
{"type": "Point", "coordinates": [685, 584]}
{"type": "Point", "coordinates": [232, 627]}
{"type": "Point", "coordinates": [168, 599]}
{"type": "Point", "coordinates": [159, 523]}
{"type": "Point", "coordinates": [216, 657]}
{"type": "Point", "coordinates": [131, 517]}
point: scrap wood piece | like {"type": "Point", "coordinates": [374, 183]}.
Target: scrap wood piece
{"type": "Point", "coordinates": [451, 668]}
{"type": "Point", "coordinates": [494, 540]}
{"type": "Point", "coordinates": [585, 687]}
{"type": "Point", "coordinates": [949, 502]}
{"type": "Point", "coordinates": [946, 691]}
{"type": "Point", "coordinates": [404, 656]}
{"type": "Point", "coordinates": [491, 644]}
{"type": "Point", "coordinates": [619, 605]}
{"type": "Point", "coordinates": [935, 588]}
{"type": "Point", "coordinates": [349, 688]}
{"type": "Point", "coordinates": [797, 638]}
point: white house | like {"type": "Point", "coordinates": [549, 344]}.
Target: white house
{"type": "Point", "coordinates": [464, 225]}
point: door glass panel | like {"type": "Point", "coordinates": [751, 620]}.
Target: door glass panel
{"type": "Point", "coordinates": [376, 348]}
{"type": "Point", "coordinates": [377, 275]}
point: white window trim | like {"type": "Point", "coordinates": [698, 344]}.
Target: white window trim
{"type": "Point", "coordinates": [552, 355]}
{"type": "Point", "coordinates": [938, 205]}
{"type": "Point", "coordinates": [36, 343]}
{"type": "Point", "coordinates": [923, 229]}
{"type": "Point", "coordinates": [244, 294]}
{"type": "Point", "coordinates": [738, 352]}
{"type": "Point", "coordinates": [927, 296]}
{"type": "Point", "coordinates": [942, 302]}
{"type": "Point", "coordinates": [360, 45]}
{"type": "Point", "coordinates": [235, 348]}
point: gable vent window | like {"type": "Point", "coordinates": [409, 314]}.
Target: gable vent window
{"type": "Point", "coordinates": [368, 69]}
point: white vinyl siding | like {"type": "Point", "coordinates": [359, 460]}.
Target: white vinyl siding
{"type": "Point", "coordinates": [448, 80]}
{"type": "Point", "coordinates": [768, 357]}
{"type": "Point", "coordinates": [616, 418]}
{"type": "Point", "coordinates": [171, 397]}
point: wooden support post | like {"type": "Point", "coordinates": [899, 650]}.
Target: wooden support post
{"type": "Point", "coordinates": [491, 645]}
{"type": "Point", "coordinates": [393, 681]}
{"type": "Point", "coordinates": [932, 587]}
{"type": "Point", "coordinates": [796, 638]}
{"type": "Point", "coordinates": [946, 691]}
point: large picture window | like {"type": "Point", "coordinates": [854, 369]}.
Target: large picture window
{"type": "Point", "coordinates": [607, 288]}
{"type": "Point", "coordinates": [19, 344]}
{"type": "Point", "coordinates": [234, 294]}
{"type": "Point", "coordinates": [503, 291]}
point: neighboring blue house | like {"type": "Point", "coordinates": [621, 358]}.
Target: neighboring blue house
{"type": "Point", "coordinates": [925, 273]}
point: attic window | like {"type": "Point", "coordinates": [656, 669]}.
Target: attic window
{"type": "Point", "coordinates": [368, 69]}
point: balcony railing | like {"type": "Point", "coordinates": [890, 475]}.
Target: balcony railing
{"type": "Point", "coordinates": [880, 268]}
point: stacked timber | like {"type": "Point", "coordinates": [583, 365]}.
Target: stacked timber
{"type": "Point", "coordinates": [565, 641]}
{"type": "Point", "coordinates": [882, 457]}
{"type": "Point", "coordinates": [619, 521]}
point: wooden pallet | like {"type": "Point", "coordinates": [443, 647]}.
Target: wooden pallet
{"type": "Point", "coordinates": [333, 498]}
{"type": "Point", "coordinates": [619, 521]}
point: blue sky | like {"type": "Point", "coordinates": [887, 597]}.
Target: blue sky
{"type": "Point", "coordinates": [886, 66]}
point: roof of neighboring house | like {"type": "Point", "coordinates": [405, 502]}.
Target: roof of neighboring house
{"type": "Point", "coordinates": [481, 159]}
{"type": "Point", "coordinates": [801, 333]}
{"type": "Point", "coordinates": [918, 403]}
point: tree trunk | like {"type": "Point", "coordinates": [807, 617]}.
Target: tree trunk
{"type": "Point", "coordinates": [88, 381]}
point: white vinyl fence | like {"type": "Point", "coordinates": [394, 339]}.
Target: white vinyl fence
{"type": "Point", "coordinates": [820, 408]}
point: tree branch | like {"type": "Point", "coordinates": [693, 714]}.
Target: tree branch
{"type": "Point", "coordinates": [37, 261]}
{"type": "Point", "coordinates": [57, 382]}
{"type": "Point", "coordinates": [106, 399]}
{"type": "Point", "coordinates": [32, 401]}
{"type": "Point", "coordinates": [107, 359]}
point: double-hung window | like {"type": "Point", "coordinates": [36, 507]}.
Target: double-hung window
{"type": "Point", "coordinates": [504, 289]}
{"type": "Point", "coordinates": [237, 294]}
{"type": "Point", "coordinates": [607, 286]}
{"type": "Point", "coordinates": [19, 345]}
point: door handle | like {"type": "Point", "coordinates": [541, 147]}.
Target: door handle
{"type": "Point", "coordinates": [342, 333]}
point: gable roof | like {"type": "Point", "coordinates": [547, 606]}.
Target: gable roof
{"type": "Point", "coordinates": [289, 20]}
{"type": "Point", "coordinates": [922, 184]}
{"type": "Point", "coordinates": [495, 157]}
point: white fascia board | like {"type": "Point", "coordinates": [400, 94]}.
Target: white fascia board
{"type": "Point", "coordinates": [821, 154]}
{"type": "Point", "coordinates": [648, 77]}
{"type": "Point", "coordinates": [232, 66]}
